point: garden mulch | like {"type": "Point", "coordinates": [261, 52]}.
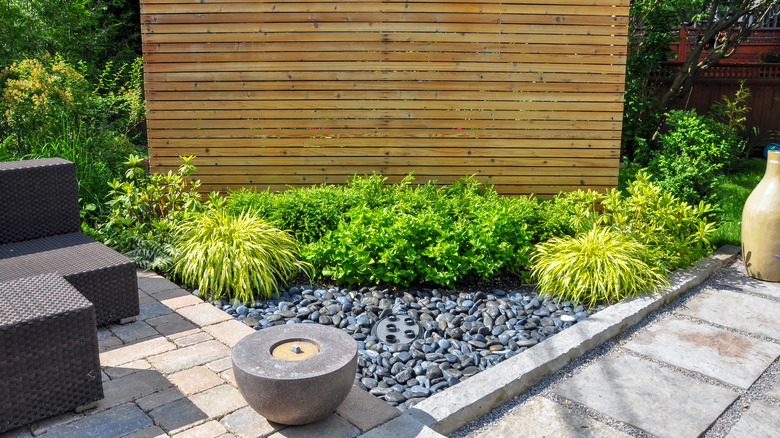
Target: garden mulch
{"type": "Point", "coordinates": [699, 368]}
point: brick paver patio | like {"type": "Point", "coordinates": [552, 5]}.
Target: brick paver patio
{"type": "Point", "coordinates": [169, 374]}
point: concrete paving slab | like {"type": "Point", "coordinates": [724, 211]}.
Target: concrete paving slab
{"type": "Point", "coordinates": [247, 423]}
{"type": "Point", "coordinates": [180, 301]}
{"type": "Point", "coordinates": [158, 399]}
{"type": "Point", "coordinates": [195, 338]}
{"type": "Point", "coordinates": [729, 357]}
{"type": "Point", "coordinates": [749, 313]}
{"type": "Point", "coordinates": [120, 421]}
{"type": "Point", "coordinates": [45, 425]}
{"type": "Point", "coordinates": [365, 411]}
{"type": "Point", "coordinates": [330, 426]}
{"type": "Point", "coordinates": [451, 409]}
{"type": "Point", "coordinates": [211, 429]}
{"type": "Point", "coordinates": [155, 283]}
{"type": "Point", "coordinates": [126, 369]}
{"type": "Point", "coordinates": [152, 310]}
{"type": "Point", "coordinates": [188, 357]}
{"type": "Point", "coordinates": [194, 380]}
{"type": "Point", "coordinates": [220, 365]}
{"type": "Point", "coordinates": [204, 314]}
{"type": "Point", "coordinates": [134, 331]}
{"type": "Point", "coordinates": [229, 332]}
{"type": "Point", "coordinates": [647, 396]}
{"type": "Point", "coordinates": [762, 420]}
{"type": "Point", "coordinates": [774, 391]}
{"type": "Point", "coordinates": [149, 432]}
{"type": "Point", "coordinates": [134, 351]}
{"type": "Point", "coordinates": [132, 387]}
{"type": "Point", "coordinates": [173, 325]}
{"type": "Point", "coordinates": [737, 277]}
{"type": "Point", "coordinates": [404, 426]}
{"type": "Point", "coordinates": [542, 417]}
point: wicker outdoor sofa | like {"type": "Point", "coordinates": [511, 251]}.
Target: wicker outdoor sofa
{"type": "Point", "coordinates": [40, 232]}
{"type": "Point", "coordinates": [56, 285]}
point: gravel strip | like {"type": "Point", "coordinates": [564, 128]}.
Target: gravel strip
{"type": "Point", "coordinates": [719, 428]}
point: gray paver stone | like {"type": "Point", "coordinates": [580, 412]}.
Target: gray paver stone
{"type": "Point", "coordinates": [152, 310]}
{"type": "Point", "coordinates": [717, 353]}
{"type": "Point", "coordinates": [330, 426]}
{"type": "Point", "coordinates": [154, 284]}
{"type": "Point", "coordinates": [204, 314]}
{"type": "Point", "coordinates": [737, 277]}
{"type": "Point", "coordinates": [449, 410]}
{"type": "Point", "coordinates": [188, 357]}
{"type": "Point", "coordinates": [188, 412]}
{"type": "Point", "coordinates": [149, 432]}
{"type": "Point", "coordinates": [748, 313]}
{"type": "Point", "coordinates": [645, 395]}
{"type": "Point", "coordinates": [762, 420]}
{"type": "Point", "coordinates": [211, 429]}
{"type": "Point", "coordinates": [247, 423]}
{"type": "Point", "coordinates": [158, 399]}
{"type": "Point", "coordinates": [119, 421]}
{"type": "Point", "coordinates": [404, 426]}
{"type": "Point", "coordinates": [131, 387]}
{"type": "Point", "coordinates": [366, 411]}
{"type": "Point", "coordinates": [134, 331]}
{"type": "Point", "coordinates": [541, 417]}
{"type": "Point", "coordinates": [774, 391]}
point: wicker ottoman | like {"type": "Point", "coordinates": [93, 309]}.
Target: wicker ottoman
{"type": "Point", "coordinates": [49, 361]}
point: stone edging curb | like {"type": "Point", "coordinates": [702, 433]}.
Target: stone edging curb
{"type": "Point", "coordinates": [471, 399]}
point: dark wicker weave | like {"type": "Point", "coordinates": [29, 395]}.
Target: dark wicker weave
{"type": "Point", "coordinates": [40, 233]}
{"type": "Point", "coordinates": [102, 275]}
{"type": "Point", "coordinates": [49, 361]}
{"type": "Point", "coordinates": [38, 198]}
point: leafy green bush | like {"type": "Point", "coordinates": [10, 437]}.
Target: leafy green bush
{"type": "Point", "coordinates": [144, 209]}
{"type": "Point", "coordinates": [675, 233]}
{"type": "Point", "coordinates": [241, 256]}
{"type": "Point", "coordinates": [430, 235]}
{"type": "Point", "coordinates": [694, 150]}
{"type": "Point", "coordinates": [39, 98]}
{"type": "Point", "coordinates": [597, 266]}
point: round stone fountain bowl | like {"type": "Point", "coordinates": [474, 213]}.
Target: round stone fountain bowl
{"type": "Point", "coordinates": [295, 373]}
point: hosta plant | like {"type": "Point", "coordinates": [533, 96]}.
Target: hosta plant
{"type": "Point", "coordinates": [241, 256]}
{"type": "Point", "coordinates": [597, 266]}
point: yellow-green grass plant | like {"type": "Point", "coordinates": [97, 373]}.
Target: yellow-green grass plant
{"type": "Point", "coordinates": [240, 256]}
{"type": "Point", "coordinates": [598, 266]}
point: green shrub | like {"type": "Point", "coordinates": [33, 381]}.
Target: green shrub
{"type": "Point", "coordinates": [691, 154]}
{"type": "Point", "coordinates": [674, 232]}
{"type": "Point", "coordinates": [241, 256]}
{"type": "Point", "coordinates": [430, 235]}
{"type": "Point", "coordinates": [598, 266]}
{"type": "Point", "coordinates": [41, 100]}
{"type": "Point", "coordinates": [144, 209]}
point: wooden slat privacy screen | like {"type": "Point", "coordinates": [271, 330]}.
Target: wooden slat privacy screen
{"type": "Point", "coordinates": [527, 94]}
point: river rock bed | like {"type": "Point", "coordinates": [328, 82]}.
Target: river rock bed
{"type": "Point", "coordinates": [460, 333]}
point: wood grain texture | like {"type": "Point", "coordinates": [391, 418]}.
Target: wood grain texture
{"type": "Point", "coordinates": [524, 94]}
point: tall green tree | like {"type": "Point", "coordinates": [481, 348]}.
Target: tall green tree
{"type": "Point", "coordinates": [89, 32]}
{"type": "Point", "coordinates": [717, 28]}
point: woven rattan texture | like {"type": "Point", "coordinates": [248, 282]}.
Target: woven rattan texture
{"type": "Point", "coordinates": [105, 277]}
{"type": "Point", "coordinates": [38, 198]}
{"type": "Point", "coordinates": [49, 362]}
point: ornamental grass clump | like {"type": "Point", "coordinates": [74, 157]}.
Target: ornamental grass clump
{"type": "Point", "coordinates": [597, 266]}
{"type": "Point", "coordinates": [241, 256]}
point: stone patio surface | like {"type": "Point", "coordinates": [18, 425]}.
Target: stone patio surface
{"type": "Point", "coordinates": [169, 374]}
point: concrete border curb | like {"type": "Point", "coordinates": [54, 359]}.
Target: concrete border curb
{"type": "Point", "coordinates": [455, 407]}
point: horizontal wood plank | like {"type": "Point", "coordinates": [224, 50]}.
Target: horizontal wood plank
{"type": "Point", "coordinates": [523, 94]}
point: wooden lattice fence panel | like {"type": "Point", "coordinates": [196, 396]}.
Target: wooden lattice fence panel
{"type": "Point", "coordinates": [526, 95]}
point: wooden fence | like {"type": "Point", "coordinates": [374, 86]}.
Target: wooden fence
{"type": "Point", "coordinates": [523, 93]}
